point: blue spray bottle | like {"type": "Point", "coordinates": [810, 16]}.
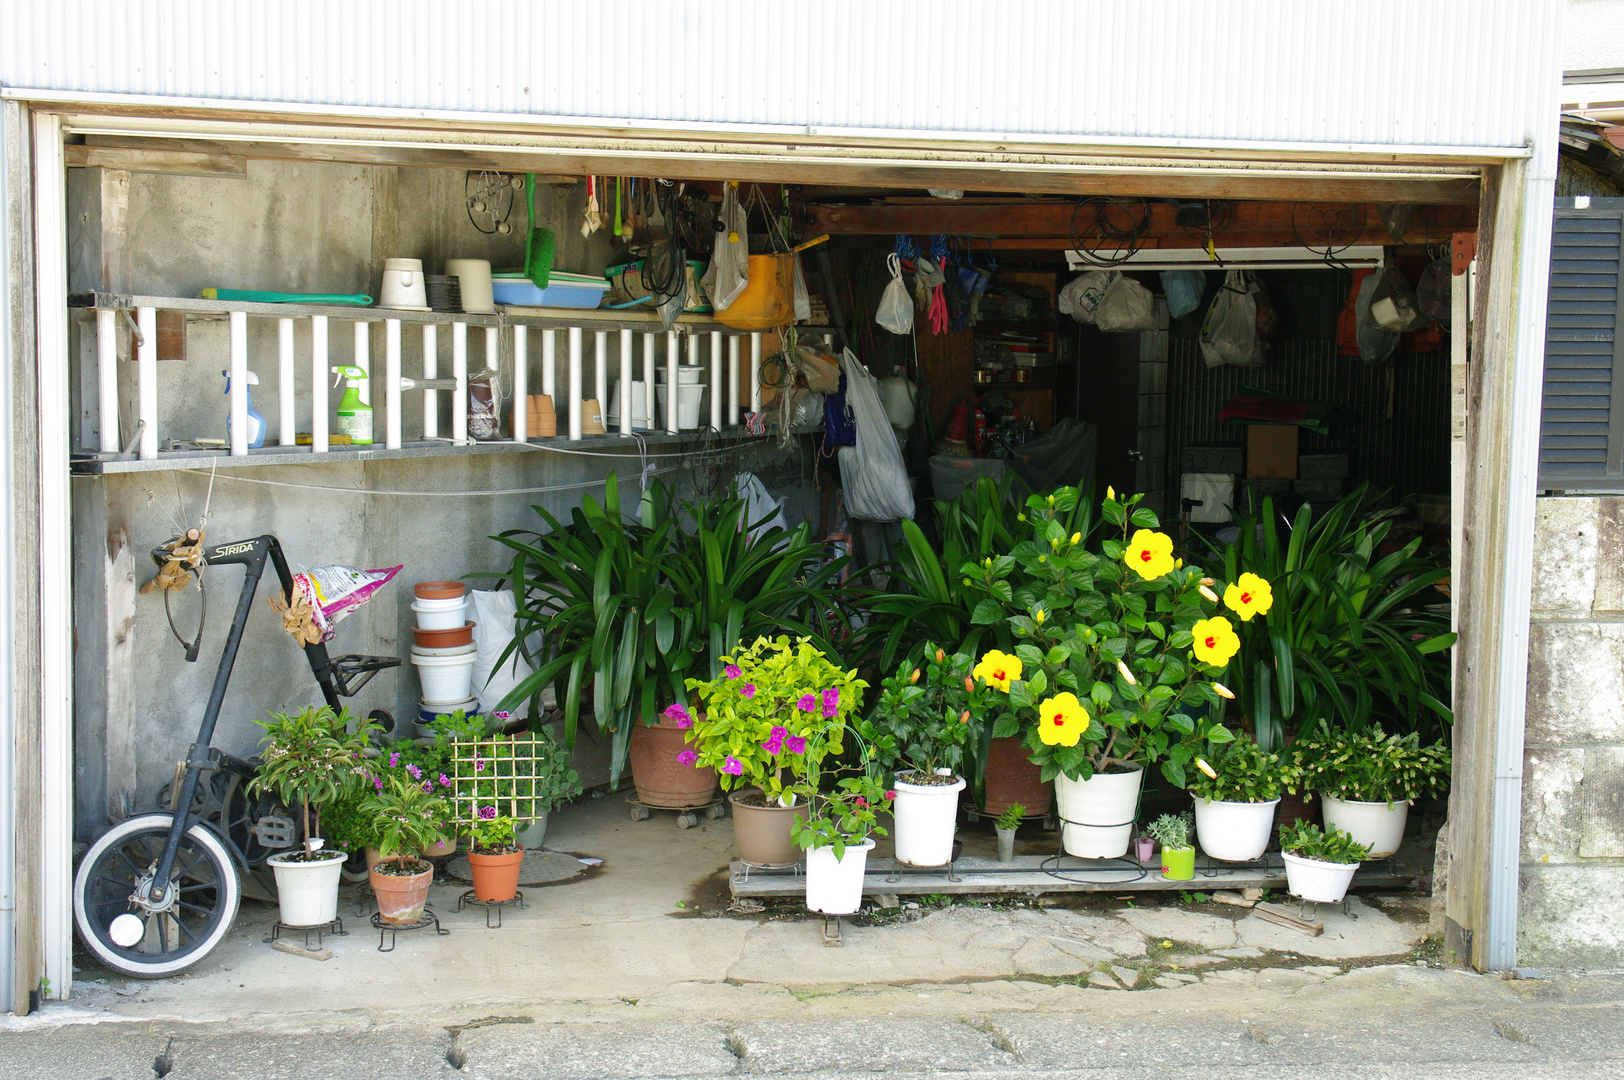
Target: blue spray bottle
{"type": "Point", "coordinates": [256, 421]}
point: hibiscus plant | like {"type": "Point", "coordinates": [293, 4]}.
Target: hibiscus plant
{"type": "Point", "coordinates": [1118, 649]}
{"type": "Point", "coordinates": [921, 722]}
{"type": "Point", "coordinates": [778, 708]}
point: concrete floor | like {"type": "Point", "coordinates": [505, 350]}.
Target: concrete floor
{"type": "Point", "coordinates": [654, 921]}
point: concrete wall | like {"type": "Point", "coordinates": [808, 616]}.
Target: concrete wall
{"type": "Point", "coordinates": [1573, 781]}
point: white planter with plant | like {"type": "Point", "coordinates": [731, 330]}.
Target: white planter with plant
{"type": "Point", "coordinates": [1320, 865]}
{"type": "Point", "coordinates": [1366, 781]}
{"type": "Point", "coordinates": [837, 835]}
{"type": "Point", "coordinates": [1236, 787]}
{"type": "Point", "coordinates": [1116, 657]}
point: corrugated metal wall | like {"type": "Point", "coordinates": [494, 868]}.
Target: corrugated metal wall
{"type": "Point", "coordinates": [1391, 72]}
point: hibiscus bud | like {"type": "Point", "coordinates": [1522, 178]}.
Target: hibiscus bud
{"type": "Point", "coordinates": [1038, 617]}
{"type": "Point", "coordinates": [1110, 493]}
{"type": "Point", "coordinates": [964, 717]}
{"type": "Point", "coordinates": [1076, 537]}
{"type": "Point", "coordinates": [1209, 594]}
{"type": "Point", "coordinates": [969, 685]}
{"type": "Point", "coordinates": [1201, 764]}
{"type": "Point", "coordinates": [940, 656]}
{"type": "Point", "coordinates": [915, 676]}
{"type": "Point", "coordinates": [1207, 581]}
{"type": "Point", "coordinates": [1224, 691]}
{"type": "Point", "coordinates": [1127, 676]}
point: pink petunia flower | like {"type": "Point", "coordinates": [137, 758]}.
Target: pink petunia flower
{"type": "Point", "coordinates": [732, 766]}
{"type": "Point", "coordinates": [732, 671]}
{"type": "Point", "coordinates": [687, 757]}
{"type": "Point", "coordinates": [394, 760]}
{"type": "Point", "coordinates": [796, 744]}
{"type": "Point", "coordinates": [808, 703]}
{"type": "Point", "coordinates": [378, 784]}
{"type": "Point", "coordinates": [748, 690]}
{"type": "Point", "coordinates": [428, 787]}
{"type": "Point", "coordinates": [445, 781]}
{"type": "Point", "coordinates": [414, 772]}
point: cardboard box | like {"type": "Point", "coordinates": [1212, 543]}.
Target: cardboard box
{"type": "Point", "coordinates": [1271, 451]}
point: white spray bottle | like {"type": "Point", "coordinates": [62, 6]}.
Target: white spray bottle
{"type": "Point", "coordinates": [256, 421]}
{"type": "Point", "coordinates": [354, 415]}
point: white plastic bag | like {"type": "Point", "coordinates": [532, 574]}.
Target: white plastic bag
{"type": "Point", "coordinates": [1375, 344]}
{"type": "Point", "coordinates": [729, 270]}
{"type": "Point", "coordinates": [895, 312]}
{"type": "Point", "coordinates": [762, 511]}
{"type": "Point", "coordinates": [1081, 295]}
{"type": "Point", "coordinates": [821, 371]}
{"type": "Point", "coordinates": [803, 298]}
{"type": "Point", "coordinates": [1126, 305]}
{"type": "Point", "coordinates": [1229, 332]}
{"type": "Point", "coordinates": [872, 472]}
{"type": "Point", "coordinates": [493, 617]}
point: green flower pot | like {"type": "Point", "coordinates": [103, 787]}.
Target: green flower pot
{"type": "Point", "coordinates": [1179, 864]}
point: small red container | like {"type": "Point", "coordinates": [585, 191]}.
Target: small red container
{"type": "Point", "coordinates": [444, 639]}
{"type": "Point", "coordinates": [439, 590]}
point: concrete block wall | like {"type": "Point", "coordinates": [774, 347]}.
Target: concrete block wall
{"type": "Point", "coordinates": [1573, 779]}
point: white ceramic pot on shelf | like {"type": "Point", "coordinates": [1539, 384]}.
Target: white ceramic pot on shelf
{"type": "Point", "coordinates": [307, 892]}
{"type": "Point", "coordinates": [1234, 831]}
{"type": "Point", "coordinates": [835, 886]}
{"type": "Point", "coordinates": [447, 676]}
{"type": "Point", "coordinates": [1316, 881]}
{"type": "Point", "coordinates": [1097, 814]}
{"type": "Point", "coordinates": [1377, 825]}
{"type": "Point", "coordinates": [926, 816]}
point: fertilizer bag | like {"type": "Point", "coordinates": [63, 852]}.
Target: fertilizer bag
{"type": "Point", "coordinates": [334, 591]}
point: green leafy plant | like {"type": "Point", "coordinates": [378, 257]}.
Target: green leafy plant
{"type": "Point", "coordinates": [492, 836]}
{"type": "Point", "coordinates": [921, 722]}
{"type": "Point", "coordinates": [1242, 771]}
{"type": "Point", "coordinates": [1172, 831]}
{"type": "Point", "coordinates": [846, 815]}
{"type": "Point", "coordinates": [1194, 897]}
{"type": "Point", "coordinates": [1308, 841]}
{"type": "Point", "coordinates": [1011, 818]}
{"type": "Point", "coordinates": [345, 826]}
{"type": "Point", "coordinates": [521, 776]}
{"type": "Point", "coordinates": [311, 758]}
{"type": "Point", "coordinates": [406, 819]}
{"type": "Point", "coordinates": [772, 715]}
{"type": "Point", "coordinates": [1372, 766]}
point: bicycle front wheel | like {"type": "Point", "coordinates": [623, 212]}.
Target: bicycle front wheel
{"type": "Point", "coordinates": [151, 941]}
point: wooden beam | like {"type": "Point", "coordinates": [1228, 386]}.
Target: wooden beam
{"type": "Point", "coordinates": [178, 162]}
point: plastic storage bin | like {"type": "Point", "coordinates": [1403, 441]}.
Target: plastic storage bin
{"type": "Point", "coordinates": [564, 290]}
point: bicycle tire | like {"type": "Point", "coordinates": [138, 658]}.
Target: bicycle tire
{"type": "Point", "coordinates": [209, 892]}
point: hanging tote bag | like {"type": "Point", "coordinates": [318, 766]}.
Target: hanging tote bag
{"type": "Point", "coordinates": [871, 471]}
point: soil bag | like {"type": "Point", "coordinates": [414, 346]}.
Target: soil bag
{"type": "Point", "coordinates": [1229, 333]}
{"type": "Point", "coordinates": [334, 591]}
{"type": "Point", "coordinates": [1126, 306]}
{"type": "Point", "coordinates": [871, 471]}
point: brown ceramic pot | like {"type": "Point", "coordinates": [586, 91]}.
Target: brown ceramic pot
{"type": "Point", "coordinates": [439, 590]}
{"type": "Point", "coordinates": [401, 898]}
{"type": "Point", "coordinates": [496, 877]}
{"type": "Point", "coordinates": [763, 833]}
{"type": "Point", "coordinates": [444, 639]}
{"type": "Point", "coordinates": [661, 779]}
{"type": "Point", "coordinates": [1011, 777]}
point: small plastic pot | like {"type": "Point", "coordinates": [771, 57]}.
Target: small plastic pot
{"type": "Point", "coordinates": [440, 614]}
{"type": "Point", "coordinates": [1178, 864]}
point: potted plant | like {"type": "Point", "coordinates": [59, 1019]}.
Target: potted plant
{"type": "Point", "coordinates": [918, 731]}
{"type": "Point", "coordinates": [310, 759]}
{"type": "Point", "coordinates": [1236, 787]}
{"type": "Point", "coordinates": [521, 776]}
{"type": "Point", "coordinates": [1172, 832]}
{"type": "Point", "coordinates": [406, 819]}
{"type": "Point", "coordinates": [837, 834]}
{"type": "Point", "coordinates": [1320, 865]}
{"type": "Point", "coordinates": [1366, 781]}
{"type": "Point", "coordinates": [1116, 664]}
{"type": "Point", "coordinates": [1005, 825]}
{"type": "Point", "coordinates": [777, 709]}
{"type": "Point", "coordinates": [494, 858]}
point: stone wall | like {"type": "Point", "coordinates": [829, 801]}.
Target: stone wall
{"type": "Point", "coordinates": [1573, 780]}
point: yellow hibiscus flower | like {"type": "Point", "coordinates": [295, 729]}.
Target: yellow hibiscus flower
{"type": "Point", "coordinates": [1150, 553]}
{"type": "Point", "coordinates": [1215, 641]}
{"type": "Point", "coordinates": [1062, 720]}
{"type": "Point", "coordinates": [1249, 596]}
{"type": "Point", "coordinates": [998, 669]}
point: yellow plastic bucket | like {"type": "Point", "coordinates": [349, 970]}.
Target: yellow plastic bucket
{"type": "Point", "coordinates": [768, 298]}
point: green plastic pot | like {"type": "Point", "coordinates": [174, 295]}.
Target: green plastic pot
{"type": "Point", "coordinates": [1178, 864]}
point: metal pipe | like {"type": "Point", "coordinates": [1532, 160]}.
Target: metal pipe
{"type": "Point", "coordinates": [575, 383]}
{"type": "Point", "coordinates": [733, 380]}
{"type": "Point", "coordinates": [626, 403]}
{"type": "Point", "coordinates": [431, 370]}
{"type": "Point", "coordinates": [239, 383]}
{"type": "Point", "coordinates": [648, 380]}
{"type": "Point", "coordinates": [521, 385]}
{"type": "Point", "coordinates": [459, 371]}
{"type": "Point", "coordinates": [146, 382]}
{"type": "Point", "coordinates": [318, 384]}
{"type": "Point", "coordinates": [286, 435]}
{"type": "Point", "coordinates": [755, 372]}
{"type": "Point", "coordinates": [107, 379]}
{"type": "Point", "coordinates": [391, 384]}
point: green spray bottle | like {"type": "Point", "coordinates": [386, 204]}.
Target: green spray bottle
{"type": "Point", "coordinates": [354, 415]}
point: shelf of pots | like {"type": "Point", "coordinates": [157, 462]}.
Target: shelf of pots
{"type": "Point", "coordinates": [1320, 863]}
{"type": "Point", "coordinates": [405, 817]}
{"type": "Point", "coordinates": [1366, 781]}
{"type": "Point", "coordinates": [311, 760]}
{"type": "Point", "coordinates": [1236, 786]}
{"type": "Point", "coordinates": [523, 776]}
{"type": "Point", "coordinates": [777, 710]}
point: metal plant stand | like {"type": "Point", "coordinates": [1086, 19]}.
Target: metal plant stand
{"type": "Point", "coordinates": [335, 928]}
{"type": "Point", "coordinates": [469, 899]}
{"type": "Point", "coordinates": [428, 918]}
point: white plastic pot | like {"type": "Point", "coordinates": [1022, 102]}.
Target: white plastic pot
{"type": "Point", "coordinates": [441, 614]}
{"type": "Point", "coordinates": [835, 886]}
{"type": "Point", "coordinates": [926, 815]}
{"type": "Point", "coordinates": [1234, 831]}
{"type": "Point", "coordinates": [1377, 825]}
{"type": "Point", "coordinates": [532, 833]}
{"type": "Point", "coordinates": [1097, 814]}
{"type": "Point", "coordinates": [1320, 882]}
{"type": "Point", "coordinates": [307, 892]}
{"type": "Point", "coordinates": [689, 398]}
{"type": "Point", "coordinates": [446, 679]}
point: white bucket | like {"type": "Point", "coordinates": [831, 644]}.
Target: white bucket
{"type": "Point", "coordinates": [688, 402]}
{"type": "Point", "coordinates": [687, 374]}
{"type": "Point", "coordinates": [925, 819]}
{"type": "Point", "coordinates": [441, 614]}
{"type": "Point", "coordinates": [447, 678]}
{"type": "Point", "coordinates": [1377, 825]}
{"type": "Point", "coordinates": [835, 886]}
{"type": "Point", "coordinates": [1097, 814]}
{"type": "Point", "coordinates": [1320, 882]}
{"type": "Point", "coordinates": [474, 280]}
{"type": "Point", "coordinates": [307, 892]}
{"type": "Point", "coordinates": [403, 285]}
{"type": "Point", "coordinates": [1234, 831]}
{"type": "Point", "coordinates": [639, 406]}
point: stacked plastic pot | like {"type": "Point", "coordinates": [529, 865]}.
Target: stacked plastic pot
{"type": "Point", "coordinates": [444, 648]}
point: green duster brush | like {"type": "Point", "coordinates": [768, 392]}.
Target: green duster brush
{"type": "Point", "coordinates": [538, 243]}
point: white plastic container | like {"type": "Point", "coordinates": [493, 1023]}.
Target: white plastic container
{"type": "Point", "coordinates": [1320, 882]}
{"type": "Point", "coordinates": [835, 886]}
{"type": "Point", "coordinates": [1234, 831]}
{"type": "Point", "coordinates": [688, 402]}
{"type": "Point", "coordinates": [441, 614]}
{"type": "Point", "coordinates": [447, 677]}
{"type": "Point", "coordinates": [307, 892]}
{"type": "Point", "coordinates": [474, 279]}
{"type": "Point", "coordinates": [403, 286]}
{"type": "Point", "coordinates": [926, 816]}
{"type": "Point", "coordinates": [1097, 814]}
{"type": "Point", "coordinates": [687, 374]}
{"type": "Point", "coordinates": [1377, 825]}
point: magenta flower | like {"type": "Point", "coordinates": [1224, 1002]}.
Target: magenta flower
{"type": "Point", "coordinates": [889, 795]}
{"type": "Point", "coordinates": [486, 813]}
{"type": "Point", "coordinates": [479, 764]}
{"type": "Point", "coordinates": [445, 781]}
{"type": "Point", "coordinates": [428, 787]}
{"type": "Point", "coordinates": [676, 712]}
{"type": "Point", "coordinates": [414, 772]}
{"type": "Point", "coordinates": [862, 802]}
{"type": "Point", "coordinates": [796, 744]}
{"type": "Point", "coordinates": [687, 757]}
{"type": "Point", "coordinates": [808, 703]}
{"type": "Point", "coordinates": [502, 715]}
{"type": "Point", "coordinates": [732, 766]}
{"type": "Point", "coordinates": [394, 760]}
{"type": "Point", "coordinates": [774, 745]}
{"type": "Point", "coordinates": [748, 690]}
{"type": "Point", "coordinates": [831, 700]}
{"type": "Point", "coordinates": [378, 784]}
{"type": "Point", "coordinates": [732, 671]}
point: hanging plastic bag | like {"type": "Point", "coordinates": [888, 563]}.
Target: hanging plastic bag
{"type": "Point", "coordinates": [1081, 296]}
{"type": "Point", "coordinates": [729, 270]}
{"type": "Point", "coordinates": [839, 425]}
{"type": "Point", "coordinates": [1126, 306]}
{"type": "Point", "coordinates": [895, 312]}
{"type": "Point", "coordinates": [871, 471]}
{"type": "Point", "coordinates": [1184, 289]}
{"type": "Point", "coordinates": [1432, 292]}
{"type": "Point", "coordinates": [1393, 306]}
{"type": "Point", "coordinates": [1375, 344]}
{"type": "Point", "coordinates": [821, 371]}
{"type": "Point", "coordinates": [1229, 332]}
{"type": "Point", "coordinates": [803, 298]}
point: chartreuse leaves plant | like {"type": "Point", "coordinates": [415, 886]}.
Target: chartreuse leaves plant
{"type": "Point", "coordinates": [1308, 841]}
{"type": "Point", "coordinates": [1238, 770]}
{"type": "Point", "coordinates": [405, 818]}
{"type": "Point", "coordinates": [1372, 766]}
{"type": "Point", "coordinates": [1119, 649]}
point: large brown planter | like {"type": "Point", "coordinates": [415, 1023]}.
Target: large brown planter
{"type": "Point", "coordinates": [401, 898]}
{"type": "Point", "coordinates": [661, 779]}
{"type": "Point", "coordinates": [496, 877]}
{"type": "Point", "coordinates": [1011, 777]}
{"type": "Point", "coordinates": [762, 833]}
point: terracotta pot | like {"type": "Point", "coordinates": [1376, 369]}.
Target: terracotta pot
{"type": "Point", "coordinates": [439, 590]}
{"type": "Point", "coordinates": [496, 877]}
{"type": "Point", "coordinates": [1012, 778]}
{"type": "Point", "coordinates": [441, 849]}
{"type": "Point", "coordinates": [444, 639]}
{"type": "Point", "coordinates": [661, 779]}
{"type": "Point", "coordinates": [401, 898]}
{"type": "Point", "coordinates": [762, 833]}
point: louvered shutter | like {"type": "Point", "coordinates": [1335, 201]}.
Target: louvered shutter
{"type": "Point", "coordinates": [1581, 443]}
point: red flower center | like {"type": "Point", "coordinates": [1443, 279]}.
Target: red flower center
{"type": "Point", "coordinates": [1059, 719]}
{"type": "Point", "coordinates": [1146, 555]}
{"type": "Point", "coordinates": [998, 676]}
{"type": "Point", "coordinates": [1212, 643]}
{"type": "Point", "coordinates": [1246, 598]}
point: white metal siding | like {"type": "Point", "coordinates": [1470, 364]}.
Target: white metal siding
{"type": "Point", "coordinates": [1387, 72]}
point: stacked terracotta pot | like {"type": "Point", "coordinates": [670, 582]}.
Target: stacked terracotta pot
{"type": "Point", "coordinates": [444, 648]}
